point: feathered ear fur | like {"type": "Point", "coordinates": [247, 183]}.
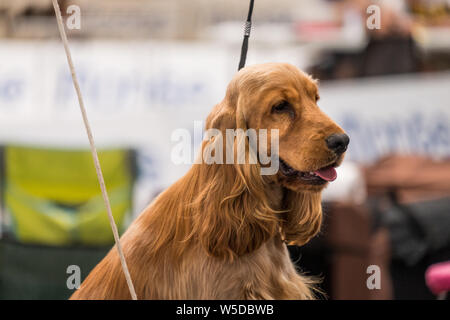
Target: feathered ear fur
{"type": "Point", "coordinates": [234, 214]}
{"type": "Point", "coordinates": [302, 218]}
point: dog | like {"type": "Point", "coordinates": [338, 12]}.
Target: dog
{"type": "Point", "coordinates": [221, 231]}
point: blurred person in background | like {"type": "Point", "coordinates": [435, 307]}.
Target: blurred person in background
{"type": "Point", "coordinates": [390, 49]}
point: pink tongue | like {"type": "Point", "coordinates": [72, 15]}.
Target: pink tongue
{"type": "Point", "coordinates": [328, 174]}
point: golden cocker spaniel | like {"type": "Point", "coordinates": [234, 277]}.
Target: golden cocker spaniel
{"type": "Point", "coordinates": [220, 232]}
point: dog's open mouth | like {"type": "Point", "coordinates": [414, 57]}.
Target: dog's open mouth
{"type": "Point", "coordinates": [320, 176]}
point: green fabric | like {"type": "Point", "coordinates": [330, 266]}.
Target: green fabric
{"type": "Point", "coordinates": [53, 196]}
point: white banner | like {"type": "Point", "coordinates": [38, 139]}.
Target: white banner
{"type": "Point", "coordinates": [138, 93]}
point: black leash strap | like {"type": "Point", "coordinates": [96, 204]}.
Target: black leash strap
{"type": "Point", "coordinates": [247, 28]}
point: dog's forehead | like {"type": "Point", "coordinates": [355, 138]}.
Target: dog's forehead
{"type": "Point", "coordinates": [298, 80]}
{"type": "Point", "coordinates": [279, 76]}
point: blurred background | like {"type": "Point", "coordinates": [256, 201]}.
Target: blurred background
{"type": "Point", "coordinates": [149, 67]}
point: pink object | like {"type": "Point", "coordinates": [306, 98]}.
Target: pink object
{"type": "Point", "coordinates": [437, 277]}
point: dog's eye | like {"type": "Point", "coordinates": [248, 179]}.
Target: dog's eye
{"type": "Point", "coordinates": [281, 107]}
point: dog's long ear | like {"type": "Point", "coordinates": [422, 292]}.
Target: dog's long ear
{"type": "Point", "coordinates": [222, 117]}
{"type": "Point", "coordinates": [303, 216]}
{"type": "Point", "coordinates": [229, 114]}
{"type": "Point", "coordinates": [234, 216]}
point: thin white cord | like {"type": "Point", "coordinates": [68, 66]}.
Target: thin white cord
{"type": "Point", "coordinates": [93, 150]}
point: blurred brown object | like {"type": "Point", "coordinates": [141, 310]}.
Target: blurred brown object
{"type": "Point", "coordinates": [411, 178]}
{"type": "Point", "coordinates": [431, 12]}
{"type": "Point", "coordinates": [16, 7]}
{"type": "Point", "coordinates": [355, 246]}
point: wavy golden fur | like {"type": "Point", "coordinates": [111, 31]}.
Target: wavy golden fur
{"type": "Point", "coordinates": [220, 232]}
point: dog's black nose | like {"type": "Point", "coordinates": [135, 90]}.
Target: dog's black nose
{"type": "Point", "coordinates": [338, 142]}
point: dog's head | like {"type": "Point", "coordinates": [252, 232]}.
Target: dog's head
{"type": "Point", "coordinates": [310, 145]}
{"type": "Point", "coordinates": [280, 96]}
